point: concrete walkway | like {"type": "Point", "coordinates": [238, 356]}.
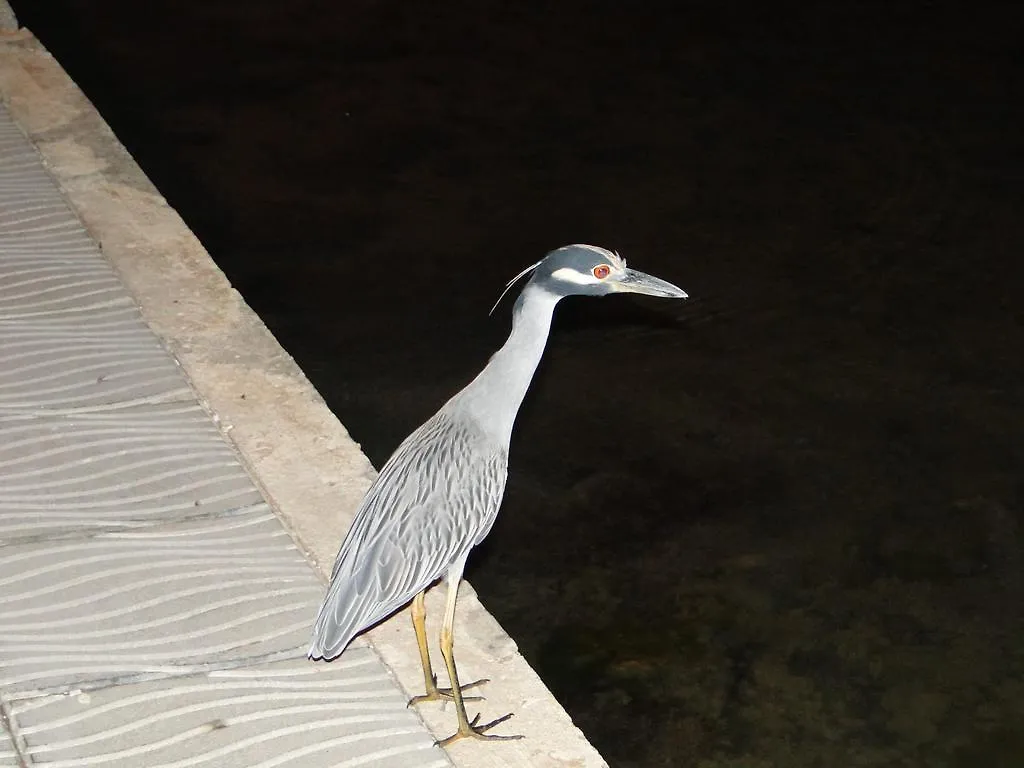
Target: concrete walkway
{"type": "Point", "coordinates": [172, 491]}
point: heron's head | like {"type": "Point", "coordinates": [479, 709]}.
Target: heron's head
{"type": "Point", "coordinates": [586, 270]}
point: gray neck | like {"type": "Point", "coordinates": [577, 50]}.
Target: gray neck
{"type": "Point", "coordinates": [493, 398]}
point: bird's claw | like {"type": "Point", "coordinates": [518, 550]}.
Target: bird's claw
{"type": "Point", "coordinates": [445, 694]}
{"type": "Point", "coordinates": [474, 731]}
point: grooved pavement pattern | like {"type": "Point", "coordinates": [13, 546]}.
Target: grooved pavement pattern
{"type": "Point", "coordinates": [153, 611]}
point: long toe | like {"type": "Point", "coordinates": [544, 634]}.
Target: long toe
{"type": "Point", "coordinates": [445, 694]}
{"type": "Point", "coordinates": [474, 731]}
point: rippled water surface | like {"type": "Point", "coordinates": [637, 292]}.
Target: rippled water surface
{"type": "Point", "coordinates": [776, 525]}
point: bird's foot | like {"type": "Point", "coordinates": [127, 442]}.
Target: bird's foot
{"type": "Point", "coordinates": [445, 694]}
{"type": "Point", "coordinates": [474, 731]}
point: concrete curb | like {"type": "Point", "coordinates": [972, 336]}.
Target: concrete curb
{"type": "Point", "coordinates": [8, 21]}
{"type": "Point", "coordinates": [298, 453]}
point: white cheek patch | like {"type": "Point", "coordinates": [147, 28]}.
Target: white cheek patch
{"type": "Point", "coordinates": [577, 278]}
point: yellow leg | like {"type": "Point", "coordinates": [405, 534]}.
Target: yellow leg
{"type": "Point", "coordinates": [466, 729]}
{"type": "Point", "coordinates": [433, 693]}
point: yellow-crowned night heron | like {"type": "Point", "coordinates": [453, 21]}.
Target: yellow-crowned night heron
{"type": "Point", "coordinates": [438, 495]}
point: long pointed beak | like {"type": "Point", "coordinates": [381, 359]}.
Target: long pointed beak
{"type": "Point", "coordinates": [640, 282]}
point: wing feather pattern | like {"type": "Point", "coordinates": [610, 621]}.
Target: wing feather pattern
{"type": "Point", "coordinates": [434, 499]}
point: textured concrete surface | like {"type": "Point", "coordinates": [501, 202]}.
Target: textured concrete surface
{"type": "Point", "coordinates": [299, 456]}
{"type": "Point", "coordinates": [114, 471]}
{"type": "Point", "coordinates": [289, 713]}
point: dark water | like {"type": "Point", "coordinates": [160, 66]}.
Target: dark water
{"type": "Point", "coordinates": [777, 525]}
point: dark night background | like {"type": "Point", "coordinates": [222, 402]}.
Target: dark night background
{"type": "Point", "coordinates": [778, 525]}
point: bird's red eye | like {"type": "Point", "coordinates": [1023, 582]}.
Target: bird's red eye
{"type": "Point", "coordinates": [601, 271]}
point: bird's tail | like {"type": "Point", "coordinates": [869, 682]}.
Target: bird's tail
{"type": "Point", "coordinates": [346, 611]}
{"type": "Point", "coordinates": [331, 635]}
